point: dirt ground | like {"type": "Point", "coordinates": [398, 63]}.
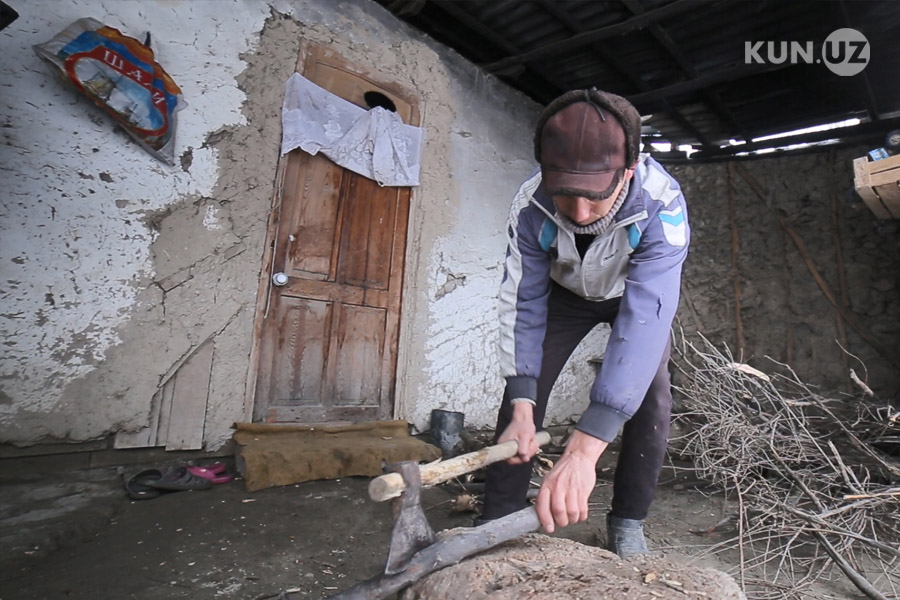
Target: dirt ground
{"type": "Point", "coordinates": [76, 535]}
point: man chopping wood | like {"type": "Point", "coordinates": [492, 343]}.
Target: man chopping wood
{"type": "Point", "coordinates": [598, 235]}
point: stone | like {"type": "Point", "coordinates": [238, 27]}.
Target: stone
{"type": "Point", "coordinates": [539, 567]}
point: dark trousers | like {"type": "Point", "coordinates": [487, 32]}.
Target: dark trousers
{"type": "Point", "coordinates": [644, 437]}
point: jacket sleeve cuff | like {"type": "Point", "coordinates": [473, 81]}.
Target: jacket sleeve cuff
{"type": "Point", "coordinates": [521, 386]}
{"type": "Point", "coordinates": [601, 422]}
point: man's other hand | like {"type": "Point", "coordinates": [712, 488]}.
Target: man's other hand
{"type": "Point", "coordinates": [521, 429]}
{"type": "Point", "coordinates": [563, 499]}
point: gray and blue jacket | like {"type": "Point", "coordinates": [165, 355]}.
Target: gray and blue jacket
{"type": "Point", "coordinates": [639, 257]}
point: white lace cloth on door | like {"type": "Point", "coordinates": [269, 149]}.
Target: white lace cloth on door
{"type": "Point", "coordinates": [374, 143]}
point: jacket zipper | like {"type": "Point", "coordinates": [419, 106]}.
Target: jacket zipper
{"type": "Point", "coordinates": [623, 223]}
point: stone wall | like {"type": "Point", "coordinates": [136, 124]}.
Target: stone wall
{"type": "Point", "coordinates": [784, 312]}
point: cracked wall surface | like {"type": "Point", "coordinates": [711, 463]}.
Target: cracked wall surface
{"type": "Point", "coordinates": [91, 317]}
{"type": "Point", "coordinates": [116, 268]}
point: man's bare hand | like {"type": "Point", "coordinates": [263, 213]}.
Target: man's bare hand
{"type": "Point", "coordinates": [521, 429]}
{"type": "Point", "coordinates": [563, 499]}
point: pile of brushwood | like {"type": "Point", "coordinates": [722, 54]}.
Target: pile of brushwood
{"type": "Point", "coordinates": [815, 479]}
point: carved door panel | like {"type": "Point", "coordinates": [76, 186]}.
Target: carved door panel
{"type": "Point", "coordinates": [328, 345]}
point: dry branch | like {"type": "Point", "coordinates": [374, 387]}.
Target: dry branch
{"type": "Point", "coordinates": [792, 459]}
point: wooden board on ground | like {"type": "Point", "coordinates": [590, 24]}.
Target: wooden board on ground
{"type": "Point", "coordinates": [178, 408]}
{"type": "Point", "coordinates": [189, 399]}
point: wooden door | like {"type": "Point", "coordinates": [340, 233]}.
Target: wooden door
{"type": "Point", "coordinates": [328, 343]}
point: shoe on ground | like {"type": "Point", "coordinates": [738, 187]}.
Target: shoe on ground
{"type": "Point", "coordinates": [479, 521]}
{"type": "Point", "coordinates": [180, 479]}
{"type": "Point", "coordinates": [625, 537]}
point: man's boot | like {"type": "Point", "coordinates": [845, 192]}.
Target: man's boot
{"type": "Point", "coordinates": [625, 537]}
{"type": "Point", "coordinates": [479, 521]}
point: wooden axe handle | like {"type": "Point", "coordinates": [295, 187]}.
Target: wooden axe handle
{"type": "Point", "coordinates": [391, 485]}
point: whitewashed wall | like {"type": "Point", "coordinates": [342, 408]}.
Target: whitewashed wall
{"type": "Point", "coordinates": [114, 267]}
{"type": "Point", "coordinates": [466, 268]}
{"type": "Point", "coordinates": [76, 260]}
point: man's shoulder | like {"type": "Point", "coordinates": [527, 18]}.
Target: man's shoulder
{"type": "Point", "coordinates": [531, 197]}
{"type": "Point", "coordinates": [657, 183]}
{"type": "Point", "coordinates": [664, 203]}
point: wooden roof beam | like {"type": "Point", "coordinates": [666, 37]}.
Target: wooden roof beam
{"type": "Point", "coordinates": [732, 73]}
{"type": "Point", "coordinates": [609, 58]}
{"type": "Point", "coordinates": [482, 30]}
{"type": "Point", "coordinates": [871, 105]}
{"type": "Point", "coordinates": [712, 96]}
{"type": "Point", "coordinates": [676, 8]}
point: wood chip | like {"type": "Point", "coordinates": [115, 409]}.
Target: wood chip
{"type": "Point", "coordinates": [465, 503]}
{"type": "Point", "coordinates": [866, 390]}
{"type": "Point", "coordinates": [675, 585]}
{"type": "Point", "coordinates": [747, 369]}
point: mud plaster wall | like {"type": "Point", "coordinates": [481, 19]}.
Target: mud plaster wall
{"type": "Point", "coordinates": [115, 268]}
{"type": "Point", "coordinates": [478, 150]}
{"type": "Point", "coordinates": [785, 314]}
{"type": "Point", "coordinates": [490, 154]}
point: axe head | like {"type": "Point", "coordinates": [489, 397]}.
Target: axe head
{"type": "Point", "coordinates": [411, 530]}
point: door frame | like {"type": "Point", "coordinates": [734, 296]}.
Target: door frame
{"type": "Point", "coordinates": [264, 288]}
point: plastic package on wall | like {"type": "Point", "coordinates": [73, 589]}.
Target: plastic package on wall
{"type": "Point", "coordinates": [119, 74]}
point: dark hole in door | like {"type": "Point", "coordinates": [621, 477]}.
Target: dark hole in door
{"type": "Point", "coordinates": [374, 99]}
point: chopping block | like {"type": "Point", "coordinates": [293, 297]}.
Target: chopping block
{"type": "Point", "coordinates": [415, 550]}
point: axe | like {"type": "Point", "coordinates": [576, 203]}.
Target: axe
{"type": "Point", "coordinates": [415, 551]}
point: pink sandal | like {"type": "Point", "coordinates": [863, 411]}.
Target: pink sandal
{"type": "Point", "coordinates": [214, 472]}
